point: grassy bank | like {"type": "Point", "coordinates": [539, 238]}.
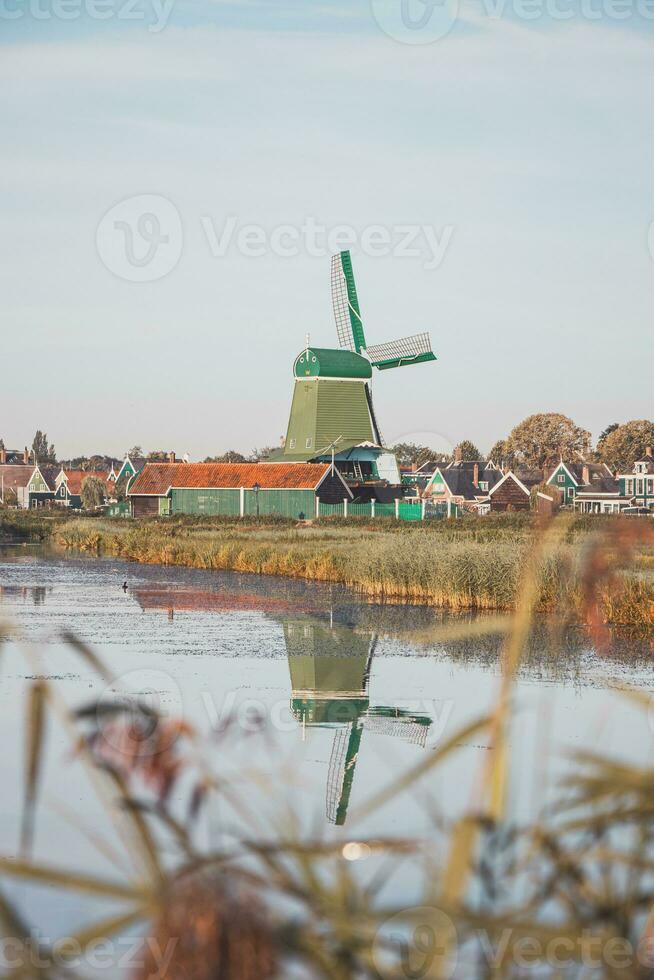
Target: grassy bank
{"type": "Point", "coordinates": [471, 564]}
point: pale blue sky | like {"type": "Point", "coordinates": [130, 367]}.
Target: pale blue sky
{"type": "Point", "coordinates": [530, 144]}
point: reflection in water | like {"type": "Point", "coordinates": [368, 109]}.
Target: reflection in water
{"type": "Point", "coordinates": [36, 592]}
{"type": "Point", "coordinates": [330, 673]}
{"type": "Point", "coordinates": [329, 667]}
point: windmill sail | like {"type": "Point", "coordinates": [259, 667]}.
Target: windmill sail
{"type": "Point", "coordinates": [349, 326]}
{"type": "Point", "coordinates": [345, 750]}
{"type": "Point", "coordinates": [345, 303]}
{"type": "Point", "coordinates": [396, 353]}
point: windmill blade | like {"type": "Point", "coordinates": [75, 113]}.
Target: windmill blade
{"type": "Point", "coordinates": [342, 763]}
{"type": "Point", "coordinates": [345, 303]}
{"type": "Point", "coordinates": [399, 353]}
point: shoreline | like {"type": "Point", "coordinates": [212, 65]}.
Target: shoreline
{"type": "Point", "coordinates": [477, 567]}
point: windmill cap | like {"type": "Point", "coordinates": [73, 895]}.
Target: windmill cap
{"type": "Point", "coordinates": [324, 362]}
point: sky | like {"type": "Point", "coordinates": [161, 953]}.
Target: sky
{"type": "Point", "coordinates": [176, 172]}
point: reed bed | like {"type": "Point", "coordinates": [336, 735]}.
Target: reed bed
{"type": "Point", "coordinates": [453, 565]}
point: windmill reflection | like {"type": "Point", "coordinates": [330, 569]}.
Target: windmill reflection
{"type": "Point", "coordinates": [329, 666]}
{"type": "Point", "coordinates": [330, 673]}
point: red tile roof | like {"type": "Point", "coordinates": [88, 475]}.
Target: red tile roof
{"type": "Point", "coordinates": [157, 478]}
{"type": "Point", "coordinates": [75, 478]}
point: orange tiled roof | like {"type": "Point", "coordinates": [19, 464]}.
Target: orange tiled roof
{"type": "Point", "coordinates": [75, 478]}
{"type": "Point", "coordinates": [157, 478]}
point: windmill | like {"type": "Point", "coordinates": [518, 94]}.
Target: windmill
{"type": "Point", "coordinates": [332, 398]}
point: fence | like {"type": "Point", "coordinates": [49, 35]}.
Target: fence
{"type": "Point", "coordinates": [408, 509]}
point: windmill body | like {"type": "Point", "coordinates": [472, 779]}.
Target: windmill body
{"type": "Point", "coordinates": [332, 412]}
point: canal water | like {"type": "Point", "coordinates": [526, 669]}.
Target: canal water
{"type": "Point", "coordinates": [308, 700]}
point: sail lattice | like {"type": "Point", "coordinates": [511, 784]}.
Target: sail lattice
{"type": "Point", "coordinates": [405, 349]}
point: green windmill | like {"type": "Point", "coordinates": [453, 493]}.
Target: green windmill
{"type": "Point", "coordinates": [332, 408]}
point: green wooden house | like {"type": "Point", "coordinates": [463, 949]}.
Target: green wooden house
{"type": "Point", "coordinates": [570, 478]}
{"type": "Point", "coordinates": [39, 489]}
{"type": "Point", "coordinates": [236, 489]}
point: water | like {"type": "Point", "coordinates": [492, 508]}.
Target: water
{"type": "Point", "coordinates": [309, 701]}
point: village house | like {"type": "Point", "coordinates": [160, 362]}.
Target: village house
{"type": "Point", "coordinates": [26, 485]}
{"type": "Point", "coordinates": [613, 495]}
{"type": "Point", "coordinates": [638, 486]}
{"type": "Point", "coordinates": [569, 478]}
{"type": "Point", "coordinates": [478, 486]}
{"type": "Point", "coordinates": [68, 486]}
{"type": "Point", "coordinates": [236, 489]}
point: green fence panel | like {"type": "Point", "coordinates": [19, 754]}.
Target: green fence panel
{"type": "Point", "coordinates": [119, 509]}
{"type": "Point", "coordinates": [331, 510]}
{"type": "Point", "coordinates": [359, 510]}
{"type": "Point", "coordinates": [384, 510]}
{"type": "Point", "coordinates": [410, 512]}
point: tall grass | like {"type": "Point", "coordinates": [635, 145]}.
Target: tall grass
{"type": "Point", "coordinates": [454, 565]}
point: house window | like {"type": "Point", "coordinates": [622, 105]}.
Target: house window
{"type": "Point", "coordinates": [309, 442]}
{"type": "Point", "coordinates": [483, 485]}
{"type": "Point", "coordinates": [291, 443]}
{"type": "Point", "coordinates": [561, 478]}
{"type": "Point", "coordinates": [639, 486]}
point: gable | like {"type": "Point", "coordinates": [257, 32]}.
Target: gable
{"type": "Point", "coordinates": [562, 470]}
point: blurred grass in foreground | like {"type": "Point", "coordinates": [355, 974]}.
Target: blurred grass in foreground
{"type": "Point", "coordinates": [571, 893]}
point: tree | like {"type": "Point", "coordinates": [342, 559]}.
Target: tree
{"type": "Point", "coordinates": [231, 456]}
{"type": "Point", "coordinates": [500, 454]}
{"type": "Point", "coordinates": [44, 452]}
{"type": "Point", "coordinates": [626, 443]}
{"type": "Point", "coordinates": [262, 453]}
{"type": "Point", "coordinates": [467, 451]}
{"type": "Point", "coordinates": [92, 493]}
{"type": "Point", "coordinates": [408, 452]}
{"type": "Point", "coordinates": [542, 439]}
{"type": "Point", "coordinates": [607, 432]}
{"type": "Point", "coordinates": [135, 451]}
{"type": "Point", "coordinates": [120, 487]}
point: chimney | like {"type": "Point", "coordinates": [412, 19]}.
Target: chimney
{"type": "Point", "coordinates": [26, 455]}
{"type": "Point", "coordinates": [171, 457]}
{"type": "Point", "coordinates": [414, 467]}
{"type": "Point", "coordinates": [475, 474]}
{"type": "Point", "coordinates": [3, 455]}
{"type": "Point", "coordinates": [648, 451]}
{"type": "Point", "coordinates": [457, 455]}
{"type": "Point", "coordinates": [585, 474]}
